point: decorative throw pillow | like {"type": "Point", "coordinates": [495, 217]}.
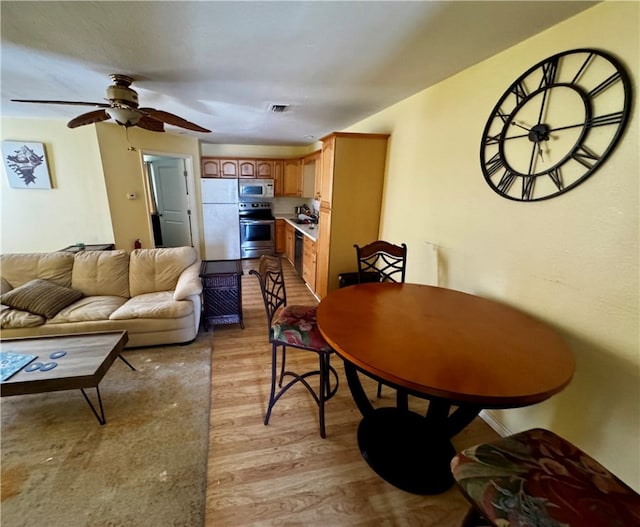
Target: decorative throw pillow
{"type": "Point", "coordinates": [5, 286]}
{"type": "Point", "coordinates": [41, 297]}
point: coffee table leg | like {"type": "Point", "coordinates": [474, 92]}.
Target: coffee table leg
{"type": "Point", "coordinates": [126, 362]}
{"type": "Point", "coordinates": [101, 419]}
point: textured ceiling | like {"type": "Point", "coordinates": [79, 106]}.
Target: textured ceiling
{"type": "Point", "coordinates": [223, 64]}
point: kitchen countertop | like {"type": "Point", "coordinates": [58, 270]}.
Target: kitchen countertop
{"type": "Point", "coordinates": [308, 229]}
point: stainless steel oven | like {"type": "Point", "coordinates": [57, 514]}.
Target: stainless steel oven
{"type": "Point", "coordinates": [257, 229]}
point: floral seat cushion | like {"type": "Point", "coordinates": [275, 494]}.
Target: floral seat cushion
{"type": "Point", "coordinates": [537, 479]}
{"type": "Point", "coordinates": [297, 326]}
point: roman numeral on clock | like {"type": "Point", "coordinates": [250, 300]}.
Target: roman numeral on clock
{"type": "Point", "coordinates": [556, 176]}
{"type": "Point", "coordinates": [494, 164]}
{"type": "Point", "coordinates": [549, 70]}
{"type": "Point", "coordinates": [506, 181]}
{"type": "Point", "coordinates": [584, 156]}
{"type": "Point", "coordinates": [605, 84]}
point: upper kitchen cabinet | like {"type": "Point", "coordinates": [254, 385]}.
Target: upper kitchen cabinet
{"type": "Point", "coordinates": [264, 169]}
{"type": "Point", "coordinates": [326, 173]}
{"type": "Point", "coordinates": [317, 179]}
{"type": "Point", "coordinates": [229, 168]}
{"type": "Point", "coordinates": [292, 181]}
{"type": "Point", "coordinates": [246, 168]}
{"type": "Point", "coordinates": [353, 168]}
{"type": "Point", "coordinates": [310, 166]}
{"type": "Point", "coordinates": [278, 177]}
{"type": "Point", "coordinates": [210, 167]}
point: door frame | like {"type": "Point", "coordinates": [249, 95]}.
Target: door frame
{"type": "Point", "coordinates": [192, 200]}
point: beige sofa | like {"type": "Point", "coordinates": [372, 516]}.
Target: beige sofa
{"type": "Point", "coordinates": [152, 293]}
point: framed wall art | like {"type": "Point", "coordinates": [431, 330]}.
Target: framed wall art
{"type": "Point", "coordinates": [26, 165]}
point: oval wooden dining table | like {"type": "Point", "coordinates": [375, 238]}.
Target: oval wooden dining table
{"type": "Point", "coordinates": [462, 352]}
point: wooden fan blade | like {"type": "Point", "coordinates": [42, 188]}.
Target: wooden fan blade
{"type": "Point", "coordinates": [73, 103]}
{"type": "Point", "coordinates": [88, 118]}
{"type": "Point", "coordinates": [149, 123]}
{"type": "Point", "coordinates": [172, 119]}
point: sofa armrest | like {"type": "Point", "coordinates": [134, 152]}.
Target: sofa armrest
{"type": "Point", "coordinates": [189, 282]}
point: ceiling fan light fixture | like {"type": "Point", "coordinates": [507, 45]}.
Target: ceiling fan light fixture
{"type": "Point", "coordinates": [124, 116]}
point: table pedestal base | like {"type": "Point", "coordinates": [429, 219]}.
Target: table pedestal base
{"type": "Point", "coordinates": [402, 449]}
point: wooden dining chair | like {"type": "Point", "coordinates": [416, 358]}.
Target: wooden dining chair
{"type": "Point", "coordinates": [538, 478]}
{"type": "Point", "coordinates": [293, 326]}
{"type": "Point", "coordinates": [381, 261]}
{"type": "Point", "coordinates": [384, 259]}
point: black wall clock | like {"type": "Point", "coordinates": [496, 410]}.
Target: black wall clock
{"type": "Point", "coordinates": [555, 125]}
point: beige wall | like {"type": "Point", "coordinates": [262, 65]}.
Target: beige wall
{"type": "Point", "coordinates": [74, 210]}
{"type": "Point", "coordinates": [92, 171]}
{"type": "Point", "coordinates": [571, 260]}
{"type": "Point", "coordinates": [123, 172]}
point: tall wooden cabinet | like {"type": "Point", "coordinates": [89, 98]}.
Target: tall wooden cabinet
{"type": "Point", "coordinates": [352, 178]}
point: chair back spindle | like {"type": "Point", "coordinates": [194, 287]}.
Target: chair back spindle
{"type": "Point", "coordinates": [271, 279]}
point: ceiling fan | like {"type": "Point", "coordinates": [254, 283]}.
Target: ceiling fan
{"type": "Point", "coordinates": [123, 109]}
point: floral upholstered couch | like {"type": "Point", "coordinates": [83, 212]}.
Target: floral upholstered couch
{"type": "Point", "coordinates": [154, 294]}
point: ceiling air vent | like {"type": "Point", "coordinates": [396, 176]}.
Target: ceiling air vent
{"type": "Point", "coordinates": [279, 108]}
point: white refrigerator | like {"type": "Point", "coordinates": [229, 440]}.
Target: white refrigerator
{"type": "Point", "coordinates": [221, 220]}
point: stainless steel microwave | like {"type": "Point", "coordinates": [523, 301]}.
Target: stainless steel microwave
{"type": "Point", "coordinates": [255, 188]}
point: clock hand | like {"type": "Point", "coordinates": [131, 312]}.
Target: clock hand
{"type": "Point", "coordinates": [515, 123]}
{"type": "Point", "coordinates": [532, 161]}
{"type": "Point", "coordinates": [566, 127]}
{"type": "Point", "coordinates": [544, 100]}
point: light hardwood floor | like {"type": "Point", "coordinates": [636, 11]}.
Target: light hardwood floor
{"type": "Point", "coordinates": [284, 473]}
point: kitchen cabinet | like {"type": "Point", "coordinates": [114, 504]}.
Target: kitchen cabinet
{"type": "Point", "coordinates": [290, 242]}
{"type": "Point", "coordinates": [280, 236]}
{"type": "Point", "coordinates": [278, 177]}
{"type": "Point", "coordinates": [228, 168]}
{"type": "Point", "coordinates": [210, 167]}
{"type": "Point", "coordinates": [309, 262]}
{"type": "Point", "coordinates": [317, 180]}
{"type": "Point", "coordinates": [326, 176]}
{"type": "Point", "coordinates": [292, 181]}
{"type": "Point", "coordinates": [353, 167]}
{"type": "Point", "coordinates": [309, 169]}
{"type": "Point", "coordinates": [264, 169]}
{"type": "Point", "coordinates": [246, 168]}
{"type": "Point", "coordinates": [323, 246]}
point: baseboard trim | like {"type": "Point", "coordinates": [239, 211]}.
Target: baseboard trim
{"type": "Point", "coordinates": [496, 425]}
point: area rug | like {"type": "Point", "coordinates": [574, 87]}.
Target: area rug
{"type": "Point", "coordinates": [145, 467]}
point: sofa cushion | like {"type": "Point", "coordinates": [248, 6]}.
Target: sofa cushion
{"type": "Point", "coordinates": [14, 318]}
{"type": "Point", "coordinates": [153, 305]}
{"type": "Point", "coordinates": [189, 283]}
{"type": "Point", "coordinates": [41, 297]}
{"type": "Point", "coordinates": [20, 268]}
{"type": "Point", "coordinates": [154, 270]}
{"type": "Point", "coordinates": [89, 308]}
{"type": "Point", "coordinates": [101, 273]}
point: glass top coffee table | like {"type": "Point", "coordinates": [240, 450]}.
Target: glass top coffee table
{"type": "Point", "coordinates": [64, 362]}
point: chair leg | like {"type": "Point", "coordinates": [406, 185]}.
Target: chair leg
{"type": "Point", "coordinates": [274, 360]}
{"type": "Point", "coordinates": [379, 394]}
{"type": "Point", "coordinates": [284, 360]}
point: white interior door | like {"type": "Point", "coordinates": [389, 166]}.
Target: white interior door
{"type": "Point", "coordinates": [169, 179]}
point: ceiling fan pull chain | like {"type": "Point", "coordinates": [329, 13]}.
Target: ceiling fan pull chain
{"type": "Point", "coordinates": [129, 147]}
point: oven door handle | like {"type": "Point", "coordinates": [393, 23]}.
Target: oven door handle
{"type": "Point", "coordinates": [256, 222]}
